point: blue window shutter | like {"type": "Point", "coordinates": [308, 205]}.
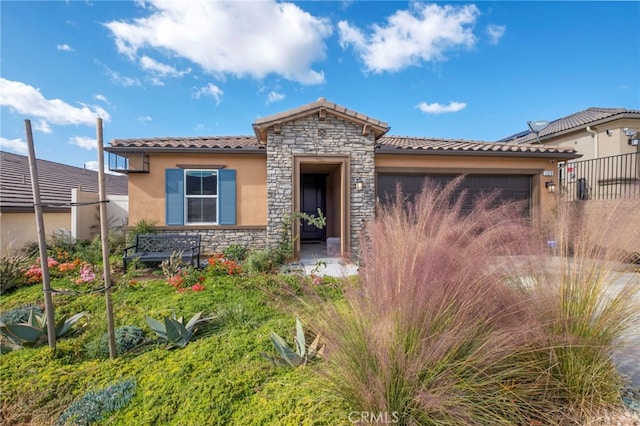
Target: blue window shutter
{"type": "Point", "coordinates": [227, 197]}
{"type": "Point", "coordinates": [174, 196]}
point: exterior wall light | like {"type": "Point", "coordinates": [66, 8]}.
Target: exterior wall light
{"type": "Point", "coordinates": [551, 186]}
{"type": "Point", "coordinates": [633, 141]}
{"type": "Point", "coordinates": [359, 184]}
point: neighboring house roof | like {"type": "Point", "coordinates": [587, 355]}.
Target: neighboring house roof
{"type": "Point", "coordinates": [56, 182]}
{"type": "Point", "coordinates": [386, 144]}
{"type": "Point", "coordinates": [573, 122]}
{"type": "Point", "coordinates": [261, 125]}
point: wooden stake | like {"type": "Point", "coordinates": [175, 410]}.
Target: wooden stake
{"type": "Point", "coordinates": [42, 239]}
{"type": "Point", "coordinates": [104, 236]}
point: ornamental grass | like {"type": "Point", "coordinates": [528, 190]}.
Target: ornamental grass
{"type": "Point", "coordinates": [470, 318]}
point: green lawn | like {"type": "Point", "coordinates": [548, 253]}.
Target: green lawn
{"type": "Point", "coordinates": [220, 377]}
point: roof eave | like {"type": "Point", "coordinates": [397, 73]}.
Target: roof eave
{"type": "Point", "coordinates": [141, 149]}
{"type": "Point", "coordinates": [398, 151]}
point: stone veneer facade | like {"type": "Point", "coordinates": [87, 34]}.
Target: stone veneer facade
{"type": "Point", "coordinates": [313, 136]}
{"type": "Point", "coordinates": [214, 240]}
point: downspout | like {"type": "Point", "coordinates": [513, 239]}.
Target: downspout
{"type": "Point", "coordinates": [594, 134]}
{"type": "Point", "coordinates": [596, 155]}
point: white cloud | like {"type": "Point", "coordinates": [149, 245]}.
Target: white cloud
{"type": "Point", "coordinates": [495, 33]}
{"type": "Point", "coordinates": [145, 119]}
{"type": "Point", "coordinates": [83, 142]}
{"type": "Point", "coordinates": [274, 97]}
{"type": "Point", "coordinates": [231, 38]}
{"type": "Point", "coordinates": [64, 47]}
{"type": "Point", "coordinates": [42, 126]}
{"type": "Point", "coordinates": [28, 100]}
{"type": "Point", "coordinates": [102, 98]}
{"type": "Point", "coordinates": [120, 79]}
{"type": "Point", "coordinates": [209, 90]}
{"type": "Point", "coordinates": [436, 108]}
{"type": "Point", "coordinates": [424, 33]}
{"type": "Point", "coordinates": [15, 145]}
{"type": "Point", "coordinates": [93, 165]}
{"type": "Point", "coordinates": [162, 70]}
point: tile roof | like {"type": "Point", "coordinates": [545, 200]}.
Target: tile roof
{"type": "Point", "coordinates": [396, 144]}
{"type": "Point", "coordinates": [385, 144]}
{"type": "Point", "coordinates": [56, 182]}
{"type": "Point", "coordinates": [209, 142]}
{"type": "Point", "coordinates": [574, 121]}
{"type": "Point", "coordinates": [261, 124]}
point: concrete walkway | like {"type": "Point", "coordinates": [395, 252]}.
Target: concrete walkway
{"type": "Point", "coordinates": [314, 259]}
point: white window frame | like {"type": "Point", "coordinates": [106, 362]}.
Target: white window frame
{"type": "Point", "coordinates": [187, 197]}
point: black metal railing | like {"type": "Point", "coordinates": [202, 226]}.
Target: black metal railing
{"type": "Point", "coordinates": [605, 178]}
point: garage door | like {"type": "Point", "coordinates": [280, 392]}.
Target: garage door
{"type": "Point", "coordinates": [510, 187]}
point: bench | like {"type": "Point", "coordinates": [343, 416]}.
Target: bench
{"type": "Point", "coordinates": [159, 247]}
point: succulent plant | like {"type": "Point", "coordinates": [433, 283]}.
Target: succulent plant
{"type": "Point", "coordinates": [302, 353]}
{"type": "Point", "coordinates": [173, 330]}
{"type": "Point", "coordinates": [34, 330]}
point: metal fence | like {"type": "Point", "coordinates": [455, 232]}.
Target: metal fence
{"type": "Point", "coordinates": [605, 178]}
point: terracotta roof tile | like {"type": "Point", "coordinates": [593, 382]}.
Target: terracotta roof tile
{"type": "Point", "coordinates": [56, 182]}
{"type": "Point", "coordinates": [210, 142]}
{"type": "Point", "coordinates": [414, 144]}
{"type": "Point", "coordinates": [573, 121]}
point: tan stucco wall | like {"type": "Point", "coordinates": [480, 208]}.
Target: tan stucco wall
{"type": "Point", "coordinates": [607, 145]}
{"type": "Point", "coordinates": [17, 229]}
{"type": "Point", "coordinates": [147, 190]}
{"type": "Point", "coordinates": [543, 202]}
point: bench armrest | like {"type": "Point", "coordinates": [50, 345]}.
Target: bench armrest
{"type": "Point", "coordinates": [129, 248]}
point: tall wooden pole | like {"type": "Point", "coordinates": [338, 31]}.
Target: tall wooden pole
{"type": "Point", "coordinates": [104, 236]}
{"type": "Point", "coordinates": [42, 239]}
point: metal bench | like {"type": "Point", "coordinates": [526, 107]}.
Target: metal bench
{"type": "Point", "coordinates": [158, 247]}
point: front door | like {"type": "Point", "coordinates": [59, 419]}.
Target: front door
{"type": "Point", "coordinates": [312, 197]}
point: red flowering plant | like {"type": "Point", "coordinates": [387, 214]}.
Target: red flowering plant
{"type": "Point", "coordinates": [219, 265]}
{"type": "Point", "coordinates": [186, 279]}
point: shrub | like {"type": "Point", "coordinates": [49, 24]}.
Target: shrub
{"type": "Point", "coordinates": [219, 265]}
{"type": "Point", "coordinates": [12, 273]}
{"type": "Point", "coordinates": [260, 261]}
{"type": "Point", "coordinates": [236, 253]}
{"type": "Point", "coordinates": [19, 315]}
{"type": "Point", "coordinates": [94, 405]}
{"type": "Point", "coordinates": [143, 226]}
{"type": "Point", "coordinates": [127, 338]}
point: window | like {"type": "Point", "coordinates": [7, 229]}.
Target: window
{"type": "Point", "coordinates": [200, 197]}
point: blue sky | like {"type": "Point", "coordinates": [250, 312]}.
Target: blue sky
{"type": "Point", "coordinates": [450, 70]}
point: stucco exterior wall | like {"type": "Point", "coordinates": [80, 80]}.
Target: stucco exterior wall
{"type": "Point", "coordinates": [147, 190]}
{"type": "Point", "coordinates": [600, 145]}
{"type": "Point", "coordinates": [313, 136]}
{"type": "Point", "coordinates": [17, 229]}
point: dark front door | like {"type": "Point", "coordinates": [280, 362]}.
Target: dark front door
{"type": "Point", "coordinates": [312, 198]}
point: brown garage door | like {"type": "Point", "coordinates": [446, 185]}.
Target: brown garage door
{"type": "Point", "coordinates": [510, 187]}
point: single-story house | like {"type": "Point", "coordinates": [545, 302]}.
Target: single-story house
{"type": "Point", "coordinates": [240, 189]}
{"type": "Point", "coordinates": [60, 186]}
{"type": "Point", "coordinates": [609, 141]}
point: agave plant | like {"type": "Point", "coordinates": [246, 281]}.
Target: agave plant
{"type": "Point", "coordinates": [302, 353]}
{"type": "Point", "coordinates": [173, 330]}
{"type": "Point", "coordinates": [35, 329]}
